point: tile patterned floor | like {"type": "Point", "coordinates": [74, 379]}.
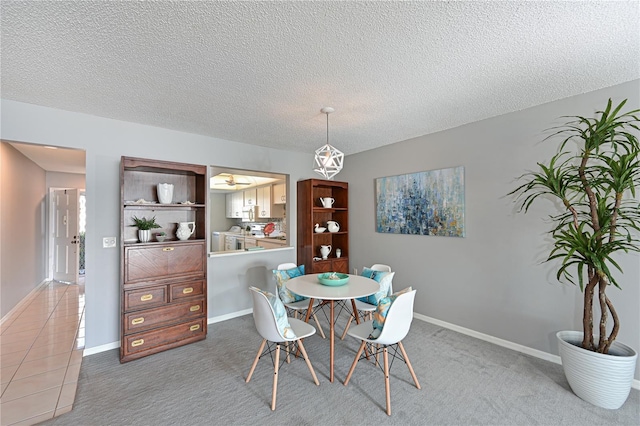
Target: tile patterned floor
{"type": "Point", "coordinates": [42, 345]}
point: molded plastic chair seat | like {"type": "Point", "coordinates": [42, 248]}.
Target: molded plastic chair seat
{"type": "Point", "coordinates": [266, 323]}
{"type": "Point", "coordinates": [301, 306]}
{"type": "Point", "coordinates": [396, 327]}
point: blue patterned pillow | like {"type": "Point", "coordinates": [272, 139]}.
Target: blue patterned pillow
{"type": "Point", "coordinates": [282, 276]}
{"type": "Point", "coordinates": [281, 314]}
{"type": "Point", "coordinates": [380, 315]}
{"type": "Point", "coordinates": [384, 278]}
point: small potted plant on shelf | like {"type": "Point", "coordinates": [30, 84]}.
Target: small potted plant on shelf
{"type": "Point", "coordinates": [161, 236]}
{"type": "Point", "coordinates": [144, 226]}
{"type": "Point", "coordinates": [594, 175]}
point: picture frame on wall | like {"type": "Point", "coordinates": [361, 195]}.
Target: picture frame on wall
{"type": "Point", "coordinates": [422, 203]}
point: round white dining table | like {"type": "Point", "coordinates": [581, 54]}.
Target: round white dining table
{"type": "Point", "coordinates": [309, 286]}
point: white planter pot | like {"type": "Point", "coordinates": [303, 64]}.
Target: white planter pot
{"type": "Point", "coordinates": [144, 235]}
{"type": "Point", "coordinates": [602, 380]}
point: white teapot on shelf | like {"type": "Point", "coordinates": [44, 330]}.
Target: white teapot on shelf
{"type": "Point", "coordinates": [324, 251]}
{"type": "Point", "coordinates": [185, 230]}
{"type": "Point", "coordinates": [333, 226]}
{"type": "Point", "coordinates": [327, 202]}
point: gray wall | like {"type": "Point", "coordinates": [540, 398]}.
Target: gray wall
{"type": "Point", "coordinates": [105, 141]}
{"type": "Point", "coordinates": [22, 227]}
{"type": "Point", "coordinates": [65, 180]}
{"type": "Point", "coordinates": [491, 281]}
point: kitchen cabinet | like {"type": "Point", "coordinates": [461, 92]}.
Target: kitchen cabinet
{"type": "Point", "coordinates": [163, 287]}
{"type": "Point", "coordinates": [271, 244]}
{"type": "Point", "coordinates": [249, 197]}
{"type": "Point", "coordinates": [264, 201]}
{"type": "Point", "coordinates": [249, 243]}
{"type": "Point", "coordinates": [310, 212]}
{"type": "Point", "coordinates": [235, 202]}
{"type": "Point", "coordinates": [280, 193]}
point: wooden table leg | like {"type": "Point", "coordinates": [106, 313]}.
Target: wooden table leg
{"type": "Point", "coordinates": [309, 310]}
{"type": "Point", "coordinates": [355, 311]}
{"type": "Point", "coordinates": [331, 332]}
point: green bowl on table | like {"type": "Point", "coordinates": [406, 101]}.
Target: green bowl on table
{"type": "Point", "coordinates": [333, 279]}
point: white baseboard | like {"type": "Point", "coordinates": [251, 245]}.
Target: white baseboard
{"type": "Point", "coordinates": [500, 342]}
{"type": "Point", "coordinates": [102, 348]}
{"type": "Point", "coordinates": [23, 302]}
{"type": "Point", "coordinates": [225, 317]}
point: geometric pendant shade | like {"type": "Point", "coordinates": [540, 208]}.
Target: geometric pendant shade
{"type": "Point", "coordinates": [328, 160]}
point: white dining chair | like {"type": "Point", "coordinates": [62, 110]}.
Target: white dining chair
{"type": "Point", "coordinates": [300, 307]}
{"type": "Point", "coordinates": [365, 309]}
{"type": "Point", "coordinates": [395, 329]}
{"type": "Point", "coordinates": [267, 325]}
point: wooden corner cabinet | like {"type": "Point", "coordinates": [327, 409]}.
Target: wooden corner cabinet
{"type": "Point", "coordinates": [310, 212]}
{"type": "Point", "coordinates": [163, 283]}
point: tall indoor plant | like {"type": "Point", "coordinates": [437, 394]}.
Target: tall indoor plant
{"type": "Point", "coordinates": [594, 174]}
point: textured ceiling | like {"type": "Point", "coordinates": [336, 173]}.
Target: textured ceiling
{"type": "Point", "coordinates": [259, 72]}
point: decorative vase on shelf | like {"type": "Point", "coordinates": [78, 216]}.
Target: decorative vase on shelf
{"type": "Point", "coordinates": [185, 229]}
{"type": "Point", "coordinates": [333, 226]}
{"type": "Point", "coordinates": [165, 193]}
{"type": "Point", "coordinates": [324, 251]}
{"type": "Point", "coordinates": [144, 235]}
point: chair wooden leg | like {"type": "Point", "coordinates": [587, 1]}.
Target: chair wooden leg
{"type": "Point", "coordinates": [385, 355]}
{"type": "Point", "coordinates": [346, 328]}
{"type": "Point", "coordinates": [255, 361]}
{"type": "Point", "coordinates": [319, 327]}
{"type": "Point", "coordinates": [286, 349]}
{"type": "Point", "coordinates": [406, 358]}
{"type": "Point", "coordinates": [275, 378]}
{"type": "Point", "coordinates": [355, 361]}
{"type": "Point", "coordinates": [306, 358]}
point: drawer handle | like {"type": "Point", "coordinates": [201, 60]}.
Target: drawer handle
{"type": "Point", "coordinates": [137, 342]}
{"type": "Point", "coordinates": [146, 297]}
{"type": "Point", "coordinates": [194, 308]}
{"type": "Point", "coordinates": [194, 327]}
{"type": "Point", "coordinates": [187, 290]}
{"type": "Point", "coordinates": [137, 321]}
{"type": "Point", "coordinates": [168, 249]}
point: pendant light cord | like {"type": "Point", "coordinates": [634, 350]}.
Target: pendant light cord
{"type": "Point", "coordinates": [327, 128]}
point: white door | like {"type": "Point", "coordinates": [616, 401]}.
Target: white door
{"type": "Point", "coordinates": [65, 235]}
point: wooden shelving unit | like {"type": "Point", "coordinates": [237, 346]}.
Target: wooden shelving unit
{"type": "Point", "coordinates": [310, 212]}
{"type": "Point", "coordinates": [163, 284]}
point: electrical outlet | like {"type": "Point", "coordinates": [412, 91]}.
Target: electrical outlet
{"type": "Point", "coordinates": [108, 242]}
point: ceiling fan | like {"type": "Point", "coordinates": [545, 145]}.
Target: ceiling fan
{"type": "Point", "coordinates": [232, 182]}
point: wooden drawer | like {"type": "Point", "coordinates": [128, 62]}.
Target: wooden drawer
{"type": "Point", "coordinates": [160, 262]}
{"type": "Point", "coordinates": [321, 266]}
{"type": "Point", "coordinates": [146, 343]}
{"type": "Point", "coordinates": [144, 298]}
{"type": "Point", "coordinates": [340, 265]}
{"type": "Point", "coordinates": [185, 290]}
{"type": "Point", "coordinates": [153, 318]}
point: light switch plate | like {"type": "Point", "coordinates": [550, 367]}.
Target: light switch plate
{"type": "Point", "coordinates": [108, 242]}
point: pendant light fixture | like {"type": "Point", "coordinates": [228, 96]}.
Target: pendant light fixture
{"type": "Point", "coordinates": [328, 160]}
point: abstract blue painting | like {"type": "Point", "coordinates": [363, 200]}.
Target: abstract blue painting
{"type": "Point", "coordinates": [422, 203]}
